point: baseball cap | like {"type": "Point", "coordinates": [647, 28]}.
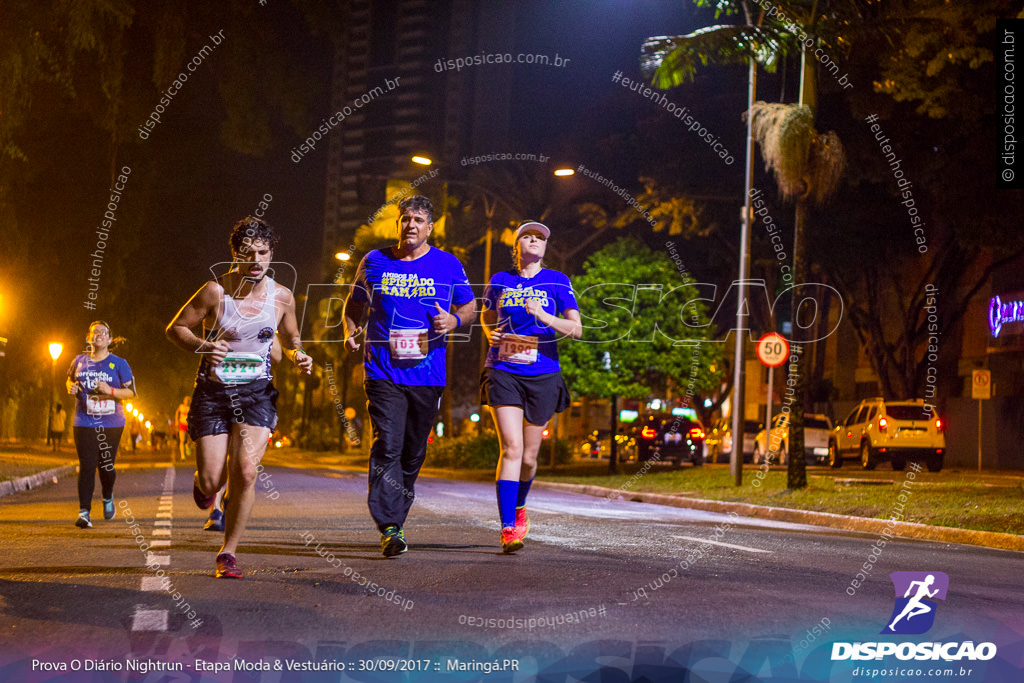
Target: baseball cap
{"type": "Point", "coordinates": [533, 225]}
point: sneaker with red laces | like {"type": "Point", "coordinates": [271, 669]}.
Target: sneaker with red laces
{"type": "Point", "coordinates": [202, 500]}
{"type": "Point", "coordinates": [227, 567]}
{"type": "Point", "coordinates": [522, 522]}
{"type": "Point", "coordinates": [510, 541]}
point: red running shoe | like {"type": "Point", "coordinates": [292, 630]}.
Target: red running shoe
{"type": "Point", "coordinates": [522, 522]}
{"type": "Point", "coordinates": [202, 500]}
{"type": "Point", "coordinates": [227, 567]}
{"type": "Point", "coordinates": [510, 541]}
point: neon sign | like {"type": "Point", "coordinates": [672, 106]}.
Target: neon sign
{"type": "Point", "coordinates": [1002, 313]}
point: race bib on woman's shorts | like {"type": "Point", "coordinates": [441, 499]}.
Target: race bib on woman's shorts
{"type": "Point", "coordinates": [409, 344]}
{"type": "Point", "coordinates": [521, 350]}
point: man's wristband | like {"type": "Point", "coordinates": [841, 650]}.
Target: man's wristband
{"type": "Point", "coordinates": [458, 320]}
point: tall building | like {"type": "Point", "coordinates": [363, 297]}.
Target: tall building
{"type": "Point", "coordinates": [434, 110]}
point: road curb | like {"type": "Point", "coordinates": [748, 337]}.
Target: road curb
{"type": "Point", "coordinates": [12, 486]}
{"type": "Point", "coordinates": [988, 539]}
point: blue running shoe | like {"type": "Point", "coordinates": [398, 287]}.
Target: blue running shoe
{"type": "Point", "coordinates": [83, 521]}
{"type": "Point", "coordinates": [215, 522]}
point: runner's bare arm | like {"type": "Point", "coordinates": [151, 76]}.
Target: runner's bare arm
{"type": "Point", "coordinates": [569, 326]}
{"type": "Point", "coordinates": [489, 319]}
{"type": "Point", "coordinates": [352, 315]}
{"type": "Point", "coordinates": [203, 303]}
{"type": "Point", "coordinates": [288, 331]}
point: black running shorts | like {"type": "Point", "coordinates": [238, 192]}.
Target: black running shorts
{"type": "Point", "coordinates": [540, 396]}
{"type": "Point", "coordinates": [216, 406]}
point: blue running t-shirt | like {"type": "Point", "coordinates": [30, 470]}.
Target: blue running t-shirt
{"type": "Point", "coordinates": [91, 409]}
{"type": "Point", "coordinates": [535, 351]}
{"type": "Point", "coordinates": [400, 345]}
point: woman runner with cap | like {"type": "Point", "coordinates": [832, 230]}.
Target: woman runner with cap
{"type": "Point", "coordinates": [521, 381]}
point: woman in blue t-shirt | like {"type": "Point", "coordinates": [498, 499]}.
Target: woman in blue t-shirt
{"type": "Point", "coordinates": [99, 381]}
{"type": "Point", "coordinates": [522, 382]}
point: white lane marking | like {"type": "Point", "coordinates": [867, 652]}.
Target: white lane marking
{"type": "Point", "coordinates": [159, 543]}
{"type": "Point", "coordinates": [162, 522]}
{"type": "Point", "coordinates": [152, 583]}
{"type": "Point", "coordinates": [725, 545]}
{"type": "Point", "coordinates": [149, 619]}
{"type": "Point", "coordinates": [153, 558]}
{"type": "Point", "coordinates": [161, 532]}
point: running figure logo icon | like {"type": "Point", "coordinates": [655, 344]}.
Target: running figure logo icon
{"type": "Point", "coordinates": [914, 612]}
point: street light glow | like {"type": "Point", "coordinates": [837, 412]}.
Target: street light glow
{"type": "Point", "coordinates": [55, 350]}
{"type": "Point", "coordinates": [148, 425]}
{"type": "Point", "coordinates": [128, 407]}
{"type": "Point", "coordinates": [564, 172]}
{"type": "Point", "coordinates": [343, 256]}
{"type": "Point", "coordinates": [422, 161]}
{"type": "Point", "coordinates": [135, 411]}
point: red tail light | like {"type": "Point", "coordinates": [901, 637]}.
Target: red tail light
{"type": "Point", "coordinates": [430, 439]}
{"type": "Point", "coordinates": [939, 425]}
{"type": "Point", "coordinates": [695, 433]}
{"type": "Point", "coordinates": [648, 432]}
{"type": "Point", "coordinates": [546, 433]}
{"type": "Point", "coordinates": [882, 424]}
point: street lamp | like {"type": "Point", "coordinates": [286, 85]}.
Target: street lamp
{"type": "Point", "coordinates": [422, 161]}
{"type": "Point", "coordinates": [55, 349]}
{"type": "Point", "coordinates": [343, 256]}
{"type": "Point", "coordinates": [564, 172]}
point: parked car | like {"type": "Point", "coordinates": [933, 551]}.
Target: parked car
{"type": "Point", "coordinates": [817, 429]}
{"type": "Point", "coordinates": [877, 429]}
{"type": "Point", "coordinates": [664, 436]}
{"type": "Point", "coordinates": [719, 439]}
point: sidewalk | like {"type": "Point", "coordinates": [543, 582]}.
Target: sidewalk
{"type": "Point", "coordinates": [26, 466]}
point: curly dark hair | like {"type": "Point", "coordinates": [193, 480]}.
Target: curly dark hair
{"type": "Point", "coordinates": [417, 202]}
{"type": "Point", "coordinates": [248, 230]}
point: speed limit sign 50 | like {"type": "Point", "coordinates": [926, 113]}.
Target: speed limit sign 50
{"type": "Point", "coordinates": [772, 349]}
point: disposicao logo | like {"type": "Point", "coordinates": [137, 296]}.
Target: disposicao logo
{"type": "Point", "coordinates": [914, 614]}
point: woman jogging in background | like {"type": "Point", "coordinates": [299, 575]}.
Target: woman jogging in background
{"type": "Point", "coordinates": [99, 381]}
{"type": "Point", "coordinates": [522, 382]}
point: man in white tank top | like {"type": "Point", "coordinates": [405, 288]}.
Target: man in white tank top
{"type": "Point", "coordinates": [233, 405]}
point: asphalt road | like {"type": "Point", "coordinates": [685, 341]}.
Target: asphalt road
{"type": "Point", "coordinates": [646, 586]}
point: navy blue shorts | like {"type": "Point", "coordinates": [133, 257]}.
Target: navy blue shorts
{"type": "Point", "coordinates": [540, 396]}
{"type": "Point", "coordinates": [215, 407]}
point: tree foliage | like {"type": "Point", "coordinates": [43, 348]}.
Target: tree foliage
{"type": "Point", "coordinates": [644, 326]}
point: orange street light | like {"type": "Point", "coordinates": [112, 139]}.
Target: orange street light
{"type": "Point", "coordinates": [422, 161]}
{"type": "Point", "coordinates": [561, 172]}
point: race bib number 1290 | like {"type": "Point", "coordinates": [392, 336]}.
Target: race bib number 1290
{"type": "Point", "coordinates": [518, 349]}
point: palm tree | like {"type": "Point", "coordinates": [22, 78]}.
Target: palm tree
{"type": "Point", "coordinates": [672, 60]}
{"type": "Point", "coordinates": [807, 167]}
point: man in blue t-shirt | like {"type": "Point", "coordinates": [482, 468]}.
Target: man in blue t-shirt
{"type": "Point", "coordinates": [412, 295]}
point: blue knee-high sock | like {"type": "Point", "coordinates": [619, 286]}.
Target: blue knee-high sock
{"type": "Point", "coordinates": [507, 491]}
{"type": "Point", "coordinates": [524, 489]}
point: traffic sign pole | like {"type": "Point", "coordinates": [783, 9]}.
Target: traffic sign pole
{"type": "Point", "coordinates": [981, 389]}
{"type": "Point", "coordinates": [772, 351]}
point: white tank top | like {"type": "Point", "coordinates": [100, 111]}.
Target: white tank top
{"type": "Point", "coordinates": [244, 334]}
